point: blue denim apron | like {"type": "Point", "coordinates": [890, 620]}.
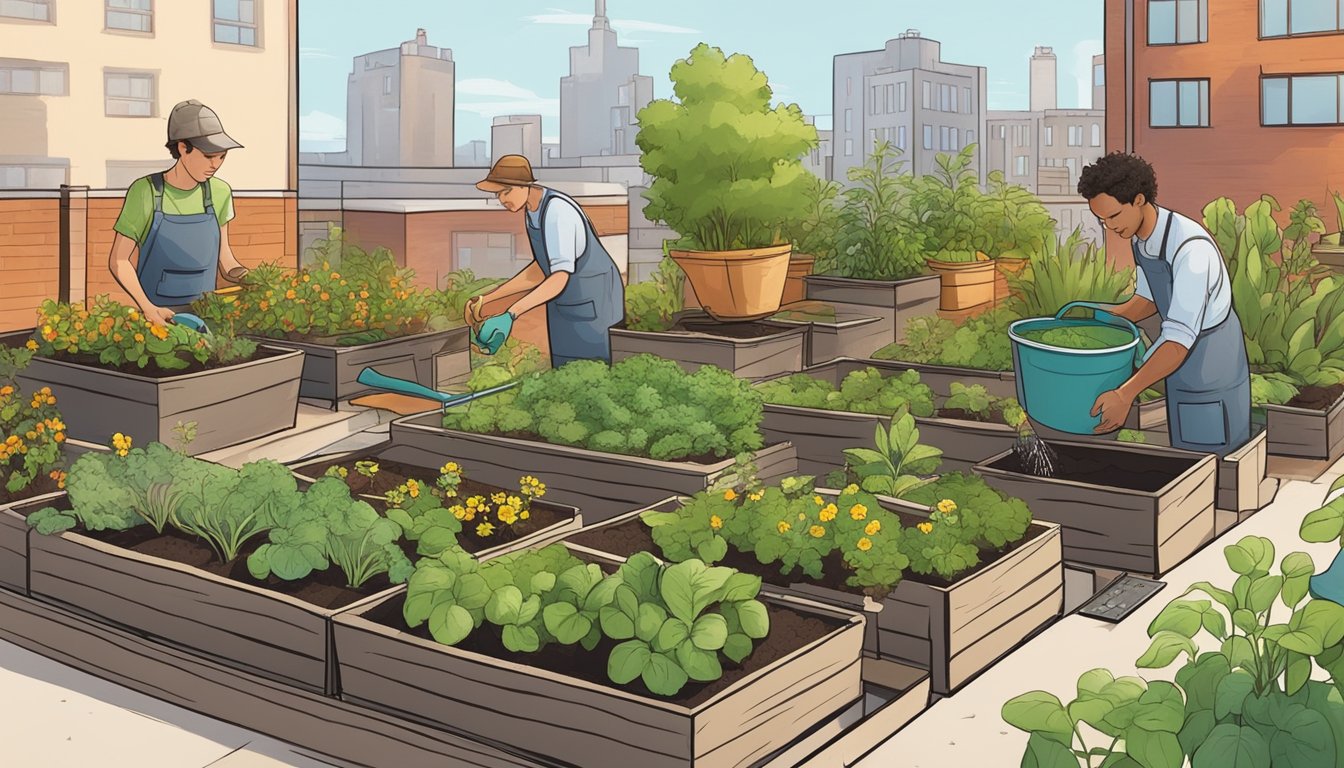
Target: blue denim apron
{"type": "Point", "coordinates": [593, 300]}
{"type": "Point", "coordinates": [1209, 396]}
{"type": "Point", "coordinates": [181, 252]}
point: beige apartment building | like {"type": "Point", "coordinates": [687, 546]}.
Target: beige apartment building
{"type": "Point", "coordinates": [85, 91]}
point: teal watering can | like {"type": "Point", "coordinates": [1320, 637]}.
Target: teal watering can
{"type": "Point", "coordinates": [371, 378]}
{"type": "Point", "coordinates": [1058, 387]}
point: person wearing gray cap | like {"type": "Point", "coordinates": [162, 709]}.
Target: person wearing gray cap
{"type": "Point", "coordinates": [178, 219]}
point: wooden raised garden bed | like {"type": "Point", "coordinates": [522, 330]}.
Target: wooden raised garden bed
{"type": "Point", "coordinates": [548, 521]}
{"type": "Point", "coordinates": [330, 370]}
{"type": "Point", "coordinates": [230, 405]}
{"type": "Point", "coordinates": [750, 350]}
{"type": "Point", "coordinates": [954, 630]}
{"type": "Point", "coordinates": [899, 300]}
{"type": "Point", "coordinates": [14, 539]}
{"type": "Point", "coordinates": [602, 485]}
{"type": "Point", "coordinates": [572, 714]}
{"type": "Point", "coordinates": [1311, 426]}
{"type": "Point", "coordinates": [836, 333]}
{"type": "Point", "coordinates": [1138, 508]}
{"type": "Point", "coordinates": [1244, 484]}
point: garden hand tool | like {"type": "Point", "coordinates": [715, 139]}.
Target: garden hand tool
{"type": "Point", "coordinates": [494, 332]}
{"type": "Point", "coordinates": [188, 320]}
{"type": "Point", "coordinates": [371, 378]}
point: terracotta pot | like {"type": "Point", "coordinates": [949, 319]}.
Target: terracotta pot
{"type": "Point", "coordinates": [964, 284]}
{"type": "Point", "coordinates": [738, 285]}
{"type": "Point", "coordinates": [795, 287]}
{"type": "Point", "coordinates": [1006, 265]}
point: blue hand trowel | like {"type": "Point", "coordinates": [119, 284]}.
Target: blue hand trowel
{"type": "Point", "coordinates": [188, 320]}
{"type": "Point", "coordinates": [371, 378]}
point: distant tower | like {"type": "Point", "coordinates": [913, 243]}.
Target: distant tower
{"type": "Point", "coordinates": [602, 95]}
{"type": "Point", "coordinates": [1044, 87]}
{"type": "Point", "coordinates": [1099, 81]}
{"type": "Point", "coordinates": [399, 106]}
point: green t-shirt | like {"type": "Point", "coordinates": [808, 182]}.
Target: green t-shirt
{"type": "Point", "coordinates": [138, 210]}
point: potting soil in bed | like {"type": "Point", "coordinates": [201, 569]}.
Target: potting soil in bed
{"type": "Point", "coordinates": [392, 474]}
{"type": "Point", "coordinates": [789, 631]}
{"type": "Point", "coordinates": [995, 417]}
{"type": "Point", "coordinates": [1109, 468]}
{"type": "Point", "coordinates": [727, 330]}
{"type": "Point", "coordinates": [1314, 398]}
{"type": "Point", "coordinates": [154, 372]}
{"type": "Point", "coordinates": [631, 536]}
{"type": "Point", "coordinates": [40, 485]}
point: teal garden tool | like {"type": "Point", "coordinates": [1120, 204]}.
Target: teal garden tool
{"type": "Point", "coordinates": [371, 378]}
{"type": "Point", "coordinates": [188, 320]}
{"type": "Point", "coordinates": [1057, 386]}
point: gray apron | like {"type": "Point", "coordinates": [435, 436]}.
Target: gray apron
{"type": "Point", "coordinates": [1209, 396]}
{"type": "Point", "coordinates": [593, 300]}
{"type": "Point", "coordinates": [181, 252]}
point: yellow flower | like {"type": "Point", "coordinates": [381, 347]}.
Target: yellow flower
{"type": "Point", "coordinates": [515, 502]}
{"type": "Point", "coordinates": [289, 294]}
{"type": "Point", "coordinates": [865, 544]}
{"type": "Point", "coordinates": [508, 515]}
{"type": "Point", "coordinates": [819, 501]}
{"type": "Point", "coordinates": [851, 488]}
{"type": "Point", "coordinates": [524, 515]}
{"type": "Point", "coordinates": [858, 512]}
{"type": "Point", "coordinates": [729, 495]}
{"type": "Point", "coordinates": [925, 527]}
{"type": "Point", "coordinates": [872, 528]}
{"type": "Point", "coordinates": [828, 513]}
{"type": "Point", "coordinates": [817, 531]}
{"type": "Point", "coordinates": [784, 527]}
{"type": "Point", "coordinates": [474, 502]}
{"type": "Point", "coordinates": [485, 529]}
{"type": "Point", "coordinates": [499, 498]}
{"type": "Point", "coordinates": [449, 468]}
{"type": "Point", "coordinates": [32, 345]}
{"type": "Point", "coordinates": [802, 516]}
{"type": "Point", "coordinates": [413, 488]}
{"type": "Point", "coordinates": [159, 331]}
{"type": "Point", "coordinates": [715, 522]}
{"type": "Point", "coordinates": [755, 495]}
{"type": "Point", "coordinates": [947, 506]}
{"type": "Point", "coordinates": [458, 511]}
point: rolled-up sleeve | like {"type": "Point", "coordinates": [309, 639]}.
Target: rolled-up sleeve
{"type": "Point", "coordinates": [566, 236]}
{"type": "Point", "coordinates": [1194, 274]}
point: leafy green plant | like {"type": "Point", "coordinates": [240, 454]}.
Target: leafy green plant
{"type": "Point", "coordinates": [865, 391]}
{"type": "Point", "coordinates": [975, 400]}
{"type": "Point", "coordinates": [1131, 436]}
{"type": "Point", "coordinates": [876, 239]}
{"type": "Point", "coordinates": [1097, 336]}
{"type": "Point", "coordinates": [641, 406]}
{"type": "Point", "coordinates": [651, 305]}
{"type": "Point", "coordinates": [815, 233]}
{"type": "Point", "coordinates": [980, 342]}
{"type": "Point", "coordinates": [229, 507]}
{"type": "Point", "coordinates": [726, 166]}
{"type": "Point", "coordinates": [116, 335]}
{"type": "Point", "coordinates": [988, 518]}
{"type": "Point", "coordinates": [31, 431]}
{"type": "Point", "coordinates": [1015, 221]}
{"type": "Point", "coordinates": [894, 467]}
{"type": "Point", "coordinates": [1058, 273]}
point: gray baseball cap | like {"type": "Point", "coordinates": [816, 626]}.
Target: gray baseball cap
{"type": "Point", "coordinates": [192, 121]}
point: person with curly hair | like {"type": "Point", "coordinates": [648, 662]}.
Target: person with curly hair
{"type": "Point", "coordinates": [1201, 351]}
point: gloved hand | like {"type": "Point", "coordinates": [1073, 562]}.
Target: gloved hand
{"type": "Point", "coordinates": [494, 332]}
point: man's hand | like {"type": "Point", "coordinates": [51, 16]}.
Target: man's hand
{"type": "Point", "coordinates": [236, 274]}
{"type": "Point", "coordinates": [1113, 408]}
{"type": "Point", "coordinates": [473, 314]}
{"type": "Point", "coordinates": [158, 315]}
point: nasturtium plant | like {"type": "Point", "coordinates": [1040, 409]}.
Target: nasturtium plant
{"type": "Point", "coordinates": [31, 430]}
{"type": "Point", "coordinates": [434, 514]}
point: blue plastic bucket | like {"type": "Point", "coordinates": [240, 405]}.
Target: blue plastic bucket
{"type": "Point", "coordinates": [1058, 387]}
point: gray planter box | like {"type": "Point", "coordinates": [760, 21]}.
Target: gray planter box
{"type": "Point", "coordinates": [848, 335]}
{"type": "Point", "coordinates": [757, 358]}
{"type": "Point", "coordinates": [329, 372]}
{"type": "Point", "coordinates": [230, 405]}
{"type": "Point", "coordinates": [601, 485]}
{"type": "Point", "coordinates": [900, 300]}
{"type": "Point", "coordinates": [1306, 434]}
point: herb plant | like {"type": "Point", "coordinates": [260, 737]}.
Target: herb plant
{"type": "Point", "coordinates": [893, 467]}
{"type": "Point", "coordinates": [651, 305]}
{"type": "Point", "coordinates": [976, 401]}
{"type": "Point", "coordinates": [1058, 273]}
{"type": "Point", "coordinates": [980, 342]}
{"type": "Point", "coordinates": [866, 391]}
{"type": "Point", "coordinates": [876, 240]}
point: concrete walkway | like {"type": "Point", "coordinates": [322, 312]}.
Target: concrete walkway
{"type": "Point", "coordinates": [52, 716]}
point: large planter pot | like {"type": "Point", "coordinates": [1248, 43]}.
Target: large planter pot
{"type": "Point", "coordinates": [795, 285]}
{"type": "Point", "coordinates": [602, 485]}
{"type": "Point", "coordinates": [964, 284]}
{"type": "Point", "coordinates": [749, 350]}
{"type": "Point", "coordinates": [578, 722]}
{"type": "Point", "coordinates": [955, 630]}
{"type": "Point", "coordinates": [329, 371]}
{"type": "Point", "coordinates": [899, 300]}
{"type": "Point", "coordinates": [738, 285]}
{"type": "Point", "coordinates": [834, 332]}
{"type": "Point", "coordinates": [230, 405]}
{"type": "Point", "coordinates": [1138, 508]}
{"type": "Point", "coordinates": [1308, 433]}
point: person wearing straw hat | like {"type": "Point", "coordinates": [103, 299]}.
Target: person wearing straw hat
{"type": "Point", "coordinates": [178, 220]}
{"type": "Point", "coordinates": [571, 273]}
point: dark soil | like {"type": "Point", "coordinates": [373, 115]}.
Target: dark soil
{"type": "Point", "coordinates": [789, 631]}
{"type": "Point", "coordinates": [392, 474]}
{"type": "Point", "coordinates": [1315, 398]}
{"type": "Point", "coordinates": [749, 330]}
{"type": "Point", "coordinates": [152, 371]}
{"type": "Point", "coordinates": [995, 417]}
{"type": "Point", "coordinates": [1107, 467]}
{"type": "Point", "coordinates": [633, 536]}
{"type": "Point", "coordinates": [40, 485]}
{"type": "Point", "coordinates": [702, 458]}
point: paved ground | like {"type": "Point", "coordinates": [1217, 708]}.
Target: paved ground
{"type": "Point", "coordinates": [54, 717]}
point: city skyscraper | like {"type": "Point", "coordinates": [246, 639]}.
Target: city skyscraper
{"type": "Point", "coordinates": [516, 135]}
{"type": "Point", "coordinates": [601, 96]}
{"type": "Point", "coordinates": [399, 106]}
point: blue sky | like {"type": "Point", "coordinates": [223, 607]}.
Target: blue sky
{"type": "Point", "coordinates": [511, 55]}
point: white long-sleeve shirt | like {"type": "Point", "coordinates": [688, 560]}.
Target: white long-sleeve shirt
{"type": "Point", "coordinates": [1201, 295]}
{"type": "Point", "coordinates": [565, 233]}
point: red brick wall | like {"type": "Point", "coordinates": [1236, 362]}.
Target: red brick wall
{"type": "Point", "coordinates": [30, 254]}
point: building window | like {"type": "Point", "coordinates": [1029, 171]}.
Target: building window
{"type": "Point", "coordinates": [1098, 75]}
{"type": "Point", "coordinates": [900, 137]}
{"type": "Point", "coordinates": [1075, 136]}
{"type": "Point", "coordinates": [236, 22]}
{"type": "Point", "coordinates": [849, 86]}
{"type": "Point", "coordinates": [1281, 18]}
{"type": "Point", "coordinates": [891, 97]}
{"type": "Point", "coordinates": [387, 87]}
{"type": "Point", "coordinates": [41, 174]}
{"type": "Point", "coordinates": [1049, 136]}
{"type": "Point", "coordinates": [901, 95]}
{"type": "Point", "coordinates": [1020, 165]}
{"type": "Point", "coordinates": [129, 94]}
{"type": "Point", "coordinates": [928, 137]}
{"type": "Point", "coordinates": [970, 137]}
{"type": "Point", "coordinates": [1177, 22]}
{"type": "Point", "coordinates": [22, 76]}
{"type": "Point", "coordinates": [849, 147]}
{"type": "Point", "coordinates": [1178, 103]}
{"type": "Point", "coordinates": [1003, 131]}
{"type": "Point", "coordinates": [928, 91]}
{"type": "Point", "coordinates": [872, 104]}
{"type": "Point", "coordinates": [487, 254]}
{"type": "Point", "coordinates": [953, 144]}
{"type": "Point", "coordinates": [1302, 100]}
{"type": "Point", "coordinates": [1096, 135]}
{"type": "Point", "coordinates": [849, 121]}
{"type": "Point", "coordinates": [130, 15]}
{"type": "Point", "coordinates": [952, 91]}
{"type": "Point", "coordinates": [872, 137]}
{"type": "Point", "coordinates": [28, 10]}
